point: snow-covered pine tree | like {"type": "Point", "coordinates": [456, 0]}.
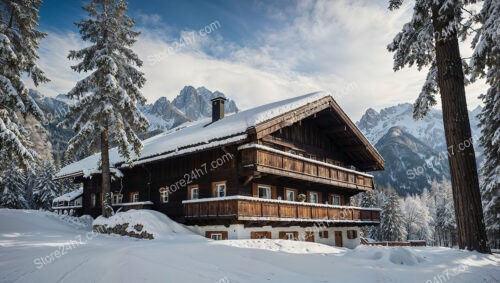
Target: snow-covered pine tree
{"type": "Point", "coordinates": [485, 62]}
{"type": "Point", "coordinates": [445, 223]}
{"type": "Point", "coordinates": [369, 199]}
{"type": "Point", "coordinates": [19, 41]}
{"type": "Point", "coordinates": [430, 38]}
{"type": "Point", "coordinates": [429, 204]}
{"type": "Point", "coordinates": [108, 97]}
{"type": "Point", "coordinates": [45, 188]}
{"type": "Point", "coordinates": [12, 188]}
{"type": "Point", "coordinates": [391, 220]}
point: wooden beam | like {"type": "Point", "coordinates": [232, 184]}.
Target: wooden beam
{"type": "Point", "coordinates": [247, 180]}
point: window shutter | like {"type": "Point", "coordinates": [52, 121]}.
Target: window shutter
{"type": "Point", "coordinates": [255, 191]}
{"type": "Point", "coordinates": [274, 192]}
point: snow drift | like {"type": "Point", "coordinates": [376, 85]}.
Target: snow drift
{"type": "Point", "coordinates": [146, 221]}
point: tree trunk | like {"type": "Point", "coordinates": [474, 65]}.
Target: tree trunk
{"type": "Point", "coordinates": [464, 178]}
{"type": "Point", "coordinates": [106, 177]}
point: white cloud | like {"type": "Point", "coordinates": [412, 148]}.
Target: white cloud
{"type": "Point", "coordinates": [326, 45]}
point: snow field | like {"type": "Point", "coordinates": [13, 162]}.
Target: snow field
{"type": "Point", "coordinates": [180, 256]}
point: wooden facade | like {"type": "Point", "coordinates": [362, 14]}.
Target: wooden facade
{"type": "Point", "coordinates": [314, 152]}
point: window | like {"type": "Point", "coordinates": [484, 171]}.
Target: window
{"type": "Point", "coordinates": [216, 236]}
{"type": "Point", "coordinates": [336, 200]}
{"type": "Point", "coordinates": [290, 236]}
{"type": "Point", "coordinates": [264, 192]}
{"type": "Point", "coordinates": [134, 197]}
{"type": "Point", "coordinates": [194, 192]}
{"type": "Point", "coordinates": [116, 198]}
{"type": "Point", "coordinates": [313, 198]}
{"type": "Point", "coordinates": [310, 156]}
{"type": "Point", "coordinates": [290, 195]}
{"type": "Point", "coordinates": [323, 234]}
{"type": "Point", "coordinates": [164, 196]}
{"type": "Point", "coordinates": [92, 200]}
{"type": "Point", "coordinates": [220, 190]}
{"type": "Point", "coordinates": [352, 234]}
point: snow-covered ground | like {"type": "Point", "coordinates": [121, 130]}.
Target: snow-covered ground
{"type": "Point", "coordinates": [38, 246]}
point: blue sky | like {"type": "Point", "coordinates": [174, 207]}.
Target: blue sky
{"type": "Point", "coordinates": [242, 17]}
{"type": "Point", "coordinates": [258, 52]}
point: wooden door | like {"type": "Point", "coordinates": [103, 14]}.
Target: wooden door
{"type": "Point", "coordinates": [338, 238]}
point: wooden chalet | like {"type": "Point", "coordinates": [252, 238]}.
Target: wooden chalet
{"type": "Point", "coordinates": [275, 171]}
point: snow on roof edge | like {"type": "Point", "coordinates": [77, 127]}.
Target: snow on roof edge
{"type": "Point", "coordinates": [173, 139]}
{"type": "Point", "coordinates": [69, 196]}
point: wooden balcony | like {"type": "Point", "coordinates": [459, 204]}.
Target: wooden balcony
{"type": "Point", "coordinates": [238, 209]}
{"type": "Point", "coordinates": [264, 159]}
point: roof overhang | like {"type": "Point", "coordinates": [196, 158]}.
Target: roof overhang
{"type": "Point", "coordinates": [344, 133]}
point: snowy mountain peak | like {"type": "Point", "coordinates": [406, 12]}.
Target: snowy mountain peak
{"type": "Point", "coordinates": [406, 143]}
{"type": "Point", "coordinates": [429, 129]}
{"type": "Point", "coordinates": [403, 152]}
{"type": "Point", "coordinates": [195, 102]}
{"type": "Point", "coordinates": [191, 104]}
{"type": "Point", "coordinates": [369, 119]}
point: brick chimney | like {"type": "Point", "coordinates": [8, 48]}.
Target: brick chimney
{"type": "Point", "coordinates": [218, 108]}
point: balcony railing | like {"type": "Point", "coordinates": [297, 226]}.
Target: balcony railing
{"type": "Point", "coordinates": [269, 160]}
{"type": "Point", "coordinates": [244, 208]}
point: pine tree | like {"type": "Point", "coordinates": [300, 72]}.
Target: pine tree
{"type": "Point", "coordinates": [45, 188]}
{"type": "Point", "coordinates": [369, 199]}
{"type": "Point", "coordinates": [445, 223]}
{"type": "Point", "coordinates": [108, 97]}
{"type": "Point", "coordinates": [485, 62]}
{"type": "Point", "coordinates": [19, 41]}
{"type": "Point", "coordinates": [391, 220]}
{"type": "Point", "coordinates": [12, 188]}
{"type": "Point", "coordinates": [428, 202]}
{"type": "Point", "coordinates": [431, 39]}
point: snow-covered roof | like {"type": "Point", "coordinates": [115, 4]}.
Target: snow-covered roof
{"type": "Point", "coordinates": [69, 196]}
{"type": "Point", "coordinates": [196, 135]}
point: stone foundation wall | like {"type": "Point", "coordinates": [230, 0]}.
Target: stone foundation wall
{"type": "Point", "coordinates": [121, 229]}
